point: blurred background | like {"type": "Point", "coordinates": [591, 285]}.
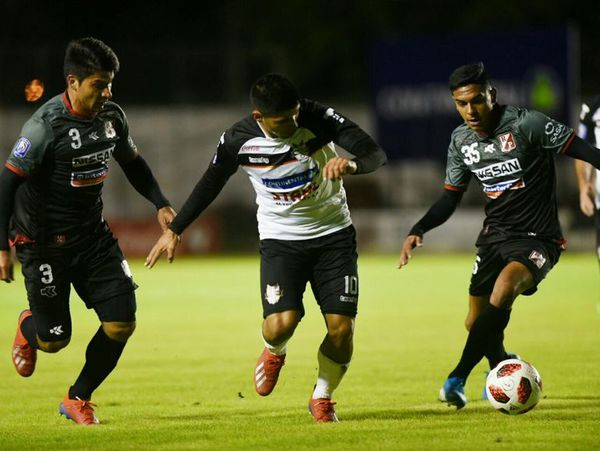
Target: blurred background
{"type": "Point", "coordinates": [186, 68]}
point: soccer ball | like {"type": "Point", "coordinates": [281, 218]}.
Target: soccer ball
{"type": "Point", "coordinates": [513, 387]}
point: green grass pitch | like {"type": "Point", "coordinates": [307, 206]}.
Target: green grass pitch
{"type": "Point", "coordinates": [185, 379]}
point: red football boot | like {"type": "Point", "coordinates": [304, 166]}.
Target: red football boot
{"type": "Point", "coordinates": [267, 371]}
{"type": "Point", "coordinates": [322, 410]}
{"type": "Point", "coordinates": [23, 355]}
{"type": "Point", "coordinates": [78, 410]}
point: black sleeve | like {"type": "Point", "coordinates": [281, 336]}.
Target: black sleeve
{"type": "Point", "coordinates": [9, 182]}
{"type": "Point", "coordinates": [439, 212]}
{"type": "Point", "coordinates": [205, 191]}
{"type": "Point", "coordinates": [337, 128]}
{"type": "Point", "coordinates": [141, 178]}
{"type": "Point", "coordinates": [582, 150]}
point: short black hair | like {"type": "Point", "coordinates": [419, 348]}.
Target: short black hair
{"type": "Point", "coordinates": [85, 56]}
{"type": "Point", "coordinates": [273, 93]}
{"type": "Point", "coordinates": [468, 74]}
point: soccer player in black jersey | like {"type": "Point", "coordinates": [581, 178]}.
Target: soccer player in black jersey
{"type": "Point", "coordinates": [510, 152]}
{"type": "Point", "coordinates": [588, 178]}
{"type": "Point", "coordinates": [286, 146]}
{"type": "Point", "coordinates": [50, 194]}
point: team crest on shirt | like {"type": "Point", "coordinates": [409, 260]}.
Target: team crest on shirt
{"type": "Point", "coordinates": [21, 147]}
{"type": "Point", "coordinates": [109, 130]}
{"type": "Point", "coordinates": [537, 258]}
{"type": "Point", "coordinates": [507, 142]}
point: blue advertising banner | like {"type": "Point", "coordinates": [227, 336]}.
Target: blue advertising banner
{"type": "Point", "coordinates": [414, 111]}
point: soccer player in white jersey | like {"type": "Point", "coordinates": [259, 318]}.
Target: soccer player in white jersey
{"type": "Point", "coordinates": [286, 146]}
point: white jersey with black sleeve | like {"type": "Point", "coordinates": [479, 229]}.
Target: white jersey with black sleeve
{"type": "Point", "coordinates": [294, 201]}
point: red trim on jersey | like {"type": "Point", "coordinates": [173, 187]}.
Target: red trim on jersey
{"type": "Point", "coordinates": [20, 239]}
{"type": "Point", "coordinates": [15, 169]}
{"type": "Point", "coordinates": [452, 187]}
{"type": "Point", "coordinates": [568, 144]}
{"type": "Point", "coordinates": [69, 106]}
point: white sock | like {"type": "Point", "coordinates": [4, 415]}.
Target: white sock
{"type": "Point", "coordinates": [279, 349]}
{"type": "Point", "coordinates": [330, 376]}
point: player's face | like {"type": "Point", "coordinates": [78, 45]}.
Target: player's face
{"type": "Point", "coordinates": [90, 94]}
{"type": "Point", "coordinates": [475, 103]}
{"type": "Point", "coordinates": [280, 125]}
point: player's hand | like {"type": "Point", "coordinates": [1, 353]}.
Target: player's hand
{"type": "Point", "coordinates": [338, 166]}
{"type": "Point", "coordinates": [165, 217]}
{"type": "Point", "coordinates": [585, 201]}
{"type": "Point", "coordinates": [6, 267]}
{"type": "Point", "coordinates": [410, 243]}
{"type": "Point", "coordinates": [168, 241]}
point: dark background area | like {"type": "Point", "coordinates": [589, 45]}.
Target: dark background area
{"type": "Point", "coordinates": [182, 53]}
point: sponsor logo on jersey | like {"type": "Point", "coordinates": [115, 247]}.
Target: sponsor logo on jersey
{"type": "Point", "coordinates": [554, 130]}
{"type": "Point", "coordinates": [88, 178]}
{"type": "Point", "coordinates": [537, 258]}
{"type": "Point", "coordinates": [21, 147]}
{"type": "Point", "coordinates": [249, 148]}
{"type": "Point", "coordinates": [102, 156]}
{"type": "Point", "coordinates": [507, 142]}
{"type": "Point", "coordinates": [494, 191]}
{"type": "Point", "coordinates": [258, 160]}
{"type": "Point", "coordinates": [330, 112]}
{"type": "Point", "coordinates": [498, 169]}
{"type": "Point", "coordinates": [291, 181]}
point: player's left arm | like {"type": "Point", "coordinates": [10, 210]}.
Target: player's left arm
{"type": "Point", "coordinates": [348, 135]}
{"type": "Point", "coordinates": [582, 150]}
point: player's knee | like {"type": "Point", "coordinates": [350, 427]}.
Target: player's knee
{"type": "Point", "coordinates": [280, 326]}
{"type": "Point", "coordinates": [53, 346]}
{"type": "Point", "coordinates": [119, 331]}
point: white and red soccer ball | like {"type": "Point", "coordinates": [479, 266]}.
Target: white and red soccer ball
{"type": "Point", "coordinates": [513, 387]}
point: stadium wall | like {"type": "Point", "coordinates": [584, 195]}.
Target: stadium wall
{"type": "Point", "coordinates": [179, 143]}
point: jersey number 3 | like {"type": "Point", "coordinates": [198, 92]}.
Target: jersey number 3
{"type": "Point", "coordinates": [76, 137]}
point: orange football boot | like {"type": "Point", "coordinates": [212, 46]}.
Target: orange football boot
{"type": "Point", "coordinates": [78, 410]}
{"type": "Point", "coordinates": [322, 410]}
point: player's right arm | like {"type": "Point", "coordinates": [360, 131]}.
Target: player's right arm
{"type": "Point", "coordinates": [25, 158]}
{"type": "Point", "coordinates": [222, 166]}
{"type": "Point", "coordinates": [439, 213]}
{"type": "Point", "coordinates": [457, 180]}
{"type": "Point", "coordinates": [9, 182]}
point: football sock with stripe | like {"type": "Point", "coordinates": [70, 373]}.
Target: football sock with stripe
{"type": "Point", "coordinates": [330, 376]}
{"type": "Point", "coordinates": [29, 332]}
{"type": "Point", "coordinates": [486, 335]}
{"type": "Point", "coordinates": [100, 359]}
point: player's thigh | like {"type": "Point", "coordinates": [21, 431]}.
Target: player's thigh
{"type": "Point", "coordinates": [334, 278]}
{"type": "Point", "coordinates": [283, 276]}
{"type": "Point", "coordinates": [486, 268]}
{"type": "Point", "coordinates": [103, 273]}
{"type": "Point", "coordinates": [538, 256]}
{"type": "Point", "coordinates": [47, 281]}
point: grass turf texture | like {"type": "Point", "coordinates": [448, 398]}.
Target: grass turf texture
{"type": "Point", "coordinates": [185, 379]}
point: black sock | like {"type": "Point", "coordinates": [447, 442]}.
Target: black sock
{"type": "Point", "coordinates": [487, 330]}
{"type": "Point", "coordinates": [29, 332]}
{"type": "Point", "coordinates": [100, 359]}
{"type": "Point", "coordinates": [496, 352]}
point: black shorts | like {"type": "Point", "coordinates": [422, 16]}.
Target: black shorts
{"type": "Point", "coordinates": [539, 257]}
{"type": "Point", "coordinates": [329, 263]}
{"type": "Point", "coordinates": [99, 273]}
